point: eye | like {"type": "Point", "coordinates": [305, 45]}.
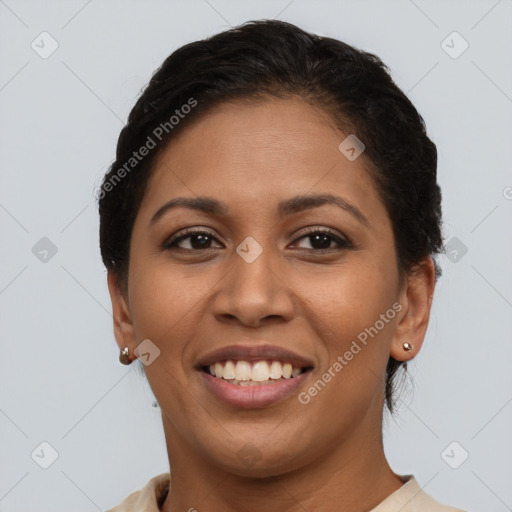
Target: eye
{"type": "Point", "coordinates": [196, 239]}
{"type": "Point", "coordinates": [320, 239]}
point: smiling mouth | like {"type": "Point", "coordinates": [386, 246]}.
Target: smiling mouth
{"type": "Point", "coordinates": [254, 373]}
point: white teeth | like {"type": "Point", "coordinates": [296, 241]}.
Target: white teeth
{"type": "Point", "coordinates": [229, 371]}
{"type": "Point", "coordinates": [276, 370]}
{"type": "Point", "coordinates": [287, 370]}
{"type": "Point", "coordinates": [260, 371]}
{"type": "Point", "coordinates": [246, 373]}
{"type": "Point", "coordinates": [242, 370]}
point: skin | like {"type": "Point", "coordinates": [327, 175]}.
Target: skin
{"type": "Point", "coordinates": [324, 455]}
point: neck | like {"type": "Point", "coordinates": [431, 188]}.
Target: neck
{"type": "Point", "coordinates": [352, 476]}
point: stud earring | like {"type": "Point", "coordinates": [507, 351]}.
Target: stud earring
{"type": "Point", "coordinates": [407, 346]}
{"type": "Point", "coordinates": [124, 356]}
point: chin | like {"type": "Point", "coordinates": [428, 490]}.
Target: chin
{"type": "Point", "coordinates": [257, 459]}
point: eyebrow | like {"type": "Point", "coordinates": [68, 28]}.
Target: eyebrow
{"type": "Point", "coordinates": [290, 206]}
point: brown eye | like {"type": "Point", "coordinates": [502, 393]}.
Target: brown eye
{"type": "Point", "coordinates": [322, 239]}
{"type": "Point", "coordinates": [190, 240]}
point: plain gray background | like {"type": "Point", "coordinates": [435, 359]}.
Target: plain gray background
{"type": "Point", "coordinates": [60, 379]}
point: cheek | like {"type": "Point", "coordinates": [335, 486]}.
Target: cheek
{"type": "Point", "coordinates": [347, 297]}
{"type": "Point", "coordinates": [355, 320]}
{"type": "Point", "coordinates": [154, 301]}
{"type": "Point", "coordinates": [350, 310]}
{"type": "Point", "coordinates": [166, 302]}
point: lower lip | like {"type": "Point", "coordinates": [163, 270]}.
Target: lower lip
{"type": "Point", "coordinates": [250, 397]}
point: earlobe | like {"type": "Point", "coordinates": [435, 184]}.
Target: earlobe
{"type": "Point", "coordinates": [416, 299]}
{"type": "Point", "coordinates": [122, 318]}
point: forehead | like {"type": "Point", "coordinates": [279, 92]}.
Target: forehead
{"type": "Point", "coordinates": [258, 153]}
{"type": "Point", "coordinates": [249, 133]}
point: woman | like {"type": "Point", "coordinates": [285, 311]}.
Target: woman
{"type": "Point", "coordinates": [269, 228]}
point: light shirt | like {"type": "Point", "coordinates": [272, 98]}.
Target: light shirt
{"type": "Point", "coordinates": [409, 498]}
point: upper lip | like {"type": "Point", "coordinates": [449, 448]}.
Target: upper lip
{"type": "Point", "coordinates": [254, 353]}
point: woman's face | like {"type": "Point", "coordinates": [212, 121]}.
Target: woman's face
{"type": "Point", "coordinates": [291, 259]}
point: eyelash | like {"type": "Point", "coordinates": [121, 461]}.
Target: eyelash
{"type": "Point", "coordinates": [171, 243]}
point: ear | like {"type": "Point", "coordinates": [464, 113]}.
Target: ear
{"type": "Point", "coordinates": [416, 300]}
{"type": "Point", "coordinates": [123, 325]}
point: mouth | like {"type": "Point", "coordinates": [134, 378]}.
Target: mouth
{"type": "Point", "coordinates": [255, 376]}
{"type": "Point", "coordinates": [254, 373]}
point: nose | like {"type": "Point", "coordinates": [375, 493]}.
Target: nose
{"type": "Point", "coordinates": [253, 294]}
